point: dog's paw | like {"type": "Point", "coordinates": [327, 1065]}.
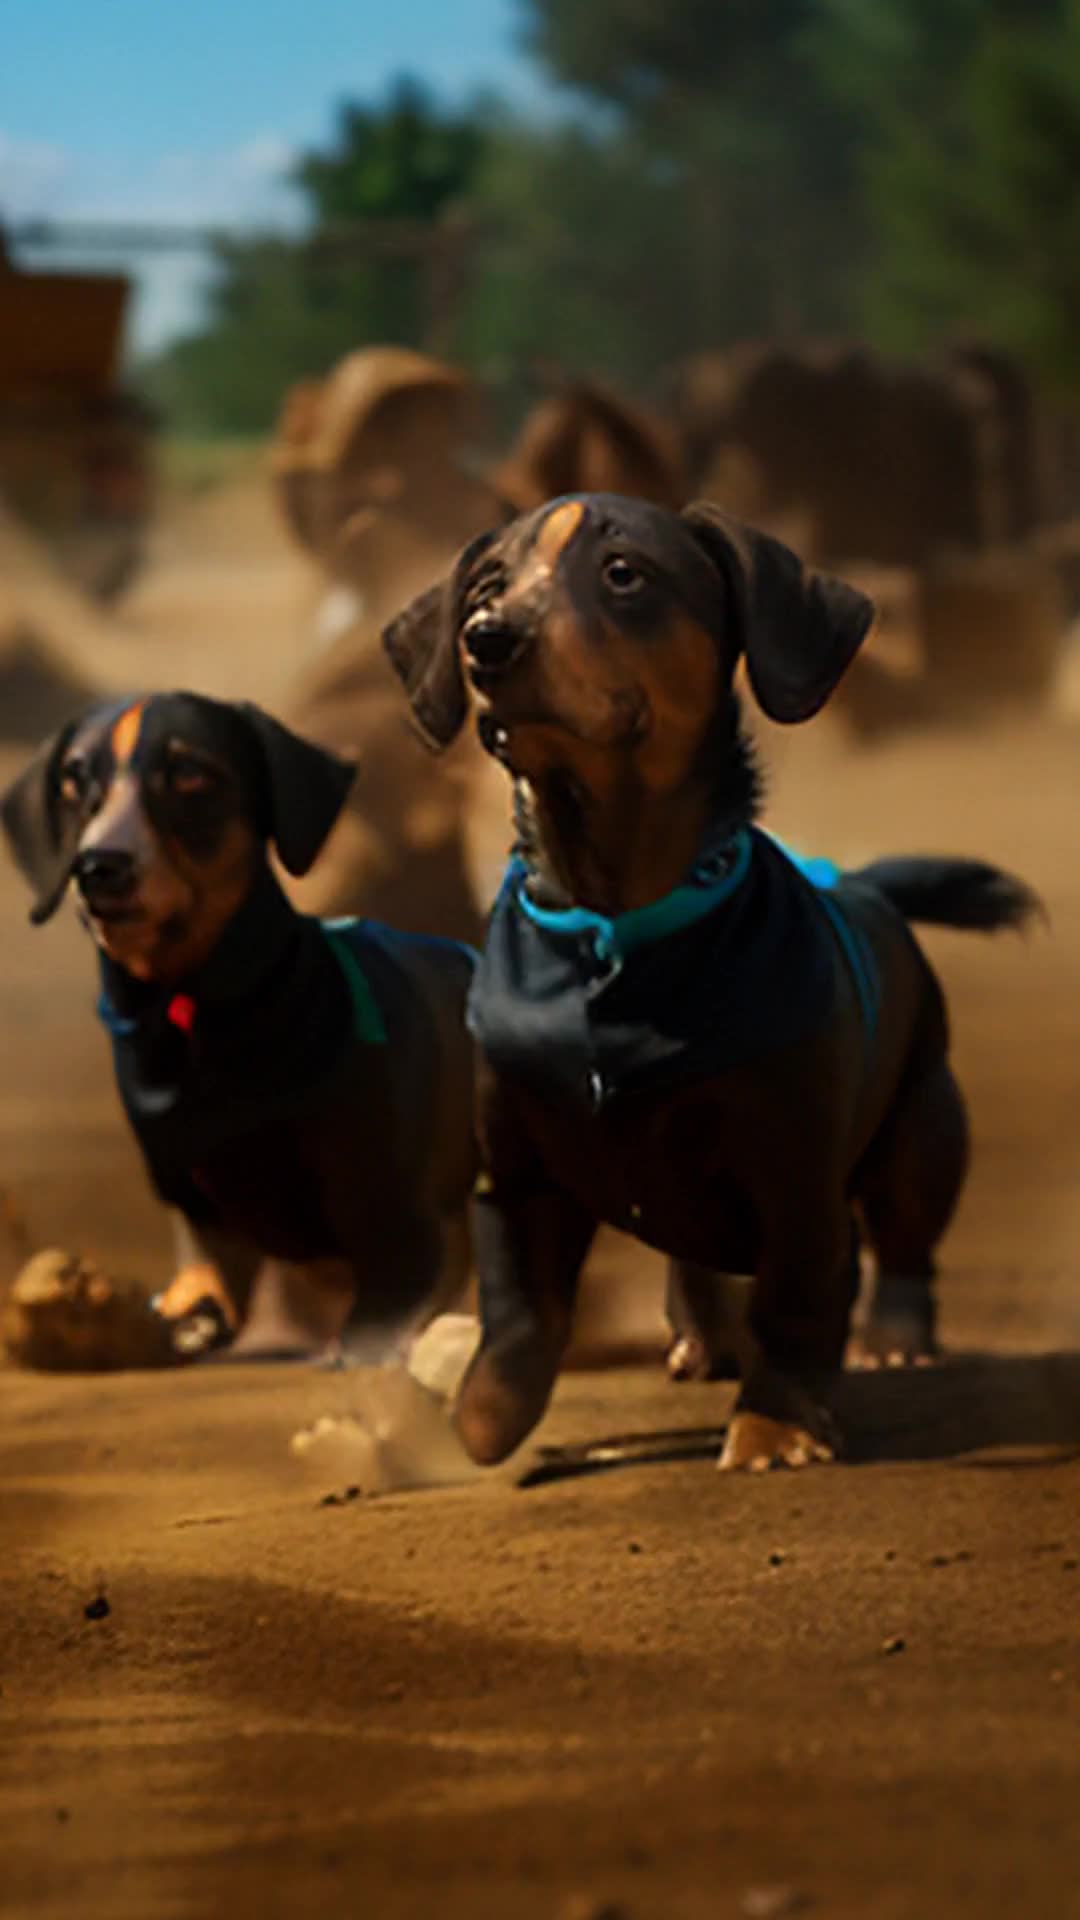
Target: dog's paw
{"type": "Point", "coordinates": [688, 1358]}
{"type": "Point", "coordinates": [201, 1330]}
{"type": "Point", "coordinates": [893, 1346]}
{"type": "Point", "coordinates": [900, 1329]}
{"type": "Point", "coordinates": [197, 1312]}
{"type": "Point", "coordinates": [63, 1315]}
{"type": "Point", "coordinates": [755, 1443]}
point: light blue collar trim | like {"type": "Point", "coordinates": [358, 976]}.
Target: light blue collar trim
{"type": "Point", "coordinates": [615, 939]}
{"type": "Point", "coordinates": [822, 874]}
{"type": "Point", "coordinates": [116, 1024]}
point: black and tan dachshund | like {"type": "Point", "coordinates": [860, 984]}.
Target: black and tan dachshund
{"type": "Point", "coordinates": [682, 1033]}
{"type": "Point", "coordinates": [301, 1090]}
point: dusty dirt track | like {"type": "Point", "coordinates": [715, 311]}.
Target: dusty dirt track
{"type": "Point", "coordinates": [653, 1692]}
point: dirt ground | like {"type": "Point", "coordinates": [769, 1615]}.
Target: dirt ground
{"type": "Point", "coordinates": [652, 1693]}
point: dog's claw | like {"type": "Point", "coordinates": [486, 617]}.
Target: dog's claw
{"type": "Point", "coordinates": [899, 1329]}
{"type": "Point", "coordinates": [878, 1348]}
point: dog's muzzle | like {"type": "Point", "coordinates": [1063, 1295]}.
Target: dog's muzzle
{"type": "Point", "coordinates": [105, 877]}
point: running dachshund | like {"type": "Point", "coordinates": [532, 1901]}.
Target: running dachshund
{"type": "Point", "coordinates": [301, 1091]}
{"type": "Point", "coordinates": [740, 1059]}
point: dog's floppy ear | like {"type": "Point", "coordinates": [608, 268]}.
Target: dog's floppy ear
{"type": "Point", "coordinates": [799, 629]}
{"type": "Point", "coordinates": [305, 787]}
{"type": "Point", "coordinates": [421, 644]}
{"type": "Point", "coordinates": [42, 838]}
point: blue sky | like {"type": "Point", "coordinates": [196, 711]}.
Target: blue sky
{"type": "Point", "coordinates": [189, 110]}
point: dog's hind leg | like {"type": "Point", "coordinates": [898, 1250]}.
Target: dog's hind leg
{"type": "Point", "coordinates": [707, 1314]}
{"type": "Point", "coordinates": [907, 1189]}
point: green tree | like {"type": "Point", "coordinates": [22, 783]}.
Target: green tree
{"type": "Point", "coordinates": [971, 170]}
{"type": "Point", "coordinates": [281, 309]}
{"type": "Point", "coordinates": [647, 60]}
{"type": "Point", "coordinates": [404, 160]}
{"type": "Point", "coordinates": [724, 101]}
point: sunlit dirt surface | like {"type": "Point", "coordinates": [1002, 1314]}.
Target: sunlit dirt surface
{"type": "Point", "coordinates": [652, 1691]}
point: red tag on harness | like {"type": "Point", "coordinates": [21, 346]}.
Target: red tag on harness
{"type": "Point", "coordinates": [181, 1011]}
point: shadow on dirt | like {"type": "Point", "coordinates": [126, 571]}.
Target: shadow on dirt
{"type": "Point", "coordinates": [972, 1405]}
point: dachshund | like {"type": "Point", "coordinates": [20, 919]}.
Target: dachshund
{"type": "Point", "coordinates": [301, 1090]}
{"type": "Point", "coordinates": [683, 1031]}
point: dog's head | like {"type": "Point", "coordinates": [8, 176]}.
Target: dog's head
{"type": "Point", "coordinates": [620, 624]}
{"type": "Point", "coordinates": [159, 811]}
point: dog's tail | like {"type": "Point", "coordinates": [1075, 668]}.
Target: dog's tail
{"type": "Point", "coordinates": [969, 894]}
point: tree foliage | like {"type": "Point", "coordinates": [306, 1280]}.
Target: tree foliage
{"type": "Point", "coordinates": [722, 101]}
{"type": "Point", "coordinates": [972, 177]}
{"type": "Point", "coordinates": [282, 309]}
{"type": "Point", "coordinates": [902, 169]}
{"type": "Point", "coordinates": [403, 160]}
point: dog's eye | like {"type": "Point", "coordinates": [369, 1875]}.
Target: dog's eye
{"type": "Point", "coordinates": [187, 777]}
{"type": "Point", "coordinates": [485, 585]}
{"type": "Point", "coordinates": [74, 781]}
{"type": "Point", "coordinates": [621, 576]}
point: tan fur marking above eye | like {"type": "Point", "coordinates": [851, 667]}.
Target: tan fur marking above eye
{"type": "Point", "coordinates": [558, 530]}
{"type": "Point", "coordinates": [534, 574]}
{"type": "Point", "coordinates": [125, 733]}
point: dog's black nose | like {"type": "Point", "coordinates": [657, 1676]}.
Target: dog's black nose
{"type": "Point", "coordinates": [490, 641]}
{"type": "Point", "coordinates": [104, 873]}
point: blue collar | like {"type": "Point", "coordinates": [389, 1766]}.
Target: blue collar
{"type": "Point", "coordinates": [614, 939]}
{"type": "Point", "coordinates": [716, 879]}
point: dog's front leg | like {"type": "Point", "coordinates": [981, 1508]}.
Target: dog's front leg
{"type": "Point", "coordinates": [800, 1311]}
{"type": "Point", "coordinates": [530, 1243]}
{"type": "Point", "coordinates": [206, 1300]}
{"type": "Point", "coordinates": [705, 1312]}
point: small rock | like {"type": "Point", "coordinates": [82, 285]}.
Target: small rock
{"type": "Point", "coordinates": [585, 1906]}
{"type": "Point", "coordinates": [894, 1644]}
{"type": "Point", "coordinates": [770, 1903]}
{"type": "Point", "coordinates": [776, 1558]}
{"type": "Point", "coordinates": [98, 1608]}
